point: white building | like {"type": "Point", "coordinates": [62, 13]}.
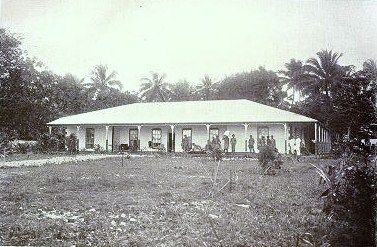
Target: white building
{"type": "Point", "coordinates": [148, 125]}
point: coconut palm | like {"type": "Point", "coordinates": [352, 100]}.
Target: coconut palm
{"type": "Point", "coordinates": [324, 73]}
{"type": "Point", "coordinates": [101, 80]}
{"type": "Point", "coordinates": [207, 89]}
{"type": "Point", "coordinates": [294, 77]}
{"type": "Point", "coordinates": [370, 73]}
{"type": "Point", "coordinates": [154, 89]}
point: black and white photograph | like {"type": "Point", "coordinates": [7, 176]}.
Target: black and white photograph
{"type": "Point", "coordinates": [188, 123]}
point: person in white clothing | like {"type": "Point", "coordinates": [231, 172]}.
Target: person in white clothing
{"type": "Point", "coordinates": [292, 146]}
{"type": "Point", "coordinates": [298, 146]}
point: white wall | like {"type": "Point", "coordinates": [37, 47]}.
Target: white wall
{"type": "Point", "coordinates": [145, 136]}
{"type": "Point", "coordinates": [99, 136]}
{"type": "Point", "coordinates": [199, 135]}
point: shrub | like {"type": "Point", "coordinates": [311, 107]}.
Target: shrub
{"type": "Point", "coordinates": [98, 149]}
{"type": "Point", "coordinates": [22, 148]}
{"type": "Point", "coordinates": [44, 144]}
{"type": "Point", "coordinates": [217, 154]}
{"type": "Point", "coordinates": [269, 160]}
{"type": "Point", "coordinates": [49, 143]}
{"type": "Point", "coordinates": [71, 142]}
{"type": "Point", "coordinates": [350, 198]}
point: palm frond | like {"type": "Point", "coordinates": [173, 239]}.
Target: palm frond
{"type": "Point", "coordinates": [116, 83]}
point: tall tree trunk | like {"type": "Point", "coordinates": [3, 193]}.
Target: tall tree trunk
{"type": "Point", "coordinates": [293, 95]}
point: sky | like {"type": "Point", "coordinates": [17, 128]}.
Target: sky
{"type": "Point", "coordinates": [188, 39]}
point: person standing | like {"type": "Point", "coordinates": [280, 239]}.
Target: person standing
{"type": "Point", "coordinates": [298, 146]}
{"type": "Point", "coordinates": [226, 143]}
{"type": "Point", "coordinates": [251, 144]}
{"type": "Point", "coordinates": [273, 142]}
{"type": "Point", "coordinates": [259, 144]}
{"type": "Point", "coordinates": [292, 145]}
{"type": "Point", "coordinates": [263, 141]}
{"type": "Point", "coordinates": [208, 147]}
{"type": "Point", "coordinates": [217, 144]}
{"type": "Point", "coordinates": [184, 143]}
{"type": "Point", "coordinates": [213, 142]}
{"type": "Point", "coordinates": [233, 142]}
{"type": "Point", "coordinates": [268, 141]}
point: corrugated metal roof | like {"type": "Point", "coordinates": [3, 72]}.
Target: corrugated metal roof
{"type": "Point", "coordinates": [185, 112]}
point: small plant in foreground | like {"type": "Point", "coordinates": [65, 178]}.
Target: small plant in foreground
{"type": "Point", "coordinates": [71, 142]}
{"type": "Point", "coordinates": [269, 160]}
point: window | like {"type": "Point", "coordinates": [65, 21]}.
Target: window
{"type": "Point", "coordinates": [188, 133]}
{"type": "Point", "coordinates": [89, 138]}
{"type": "Point", "coordinates": [263, 131]}
{"type": "Point", "coordinates": [213, 132]}
{"type": "Point", "coordinates": [156, 137]}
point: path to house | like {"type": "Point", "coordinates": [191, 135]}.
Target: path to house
{"type": "Point", "coordinates": [56, 160]}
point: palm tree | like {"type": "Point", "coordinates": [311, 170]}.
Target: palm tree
{"type": "Point", "coordinates": [101, 80]}
{"type": "Point", "coordinates": [324, 73]}
{"type": "Point", "coordinates": [207, 89]}
{"type": "Point", "coordinates": [154, 89]}
{"type": "Point", "coordinates": [293, 77]}
{"type": "Point", "coordinates": [370, 73]}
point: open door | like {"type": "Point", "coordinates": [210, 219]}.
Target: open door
{"type": "Point", "coordinates": [133, 139]}
{"type": "Point", "coordinates": [171, 142]}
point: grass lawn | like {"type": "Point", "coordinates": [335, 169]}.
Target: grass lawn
{"type": "Point", "coordinates": [159, 201]}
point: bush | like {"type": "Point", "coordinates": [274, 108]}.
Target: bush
{"type": "Point", "coordinates": [269, 160]}
{"type": "Point", "coordinates": [98, 149]}
{"type": "Point", "coordinates": [71, 141]}
{"type": "Point", "coordinates": [50, 143]}
{"type": "Point", "coordinates": [22, 148]}
{"type": "Point", "coordinates": [350, 197]}
{"type": "Point", "coordinates": [44, 144]}
{"type": "Point", "coordinates": [216, 154]}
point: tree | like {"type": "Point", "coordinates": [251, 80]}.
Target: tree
{"type": "Point", "coordinates": [369, 72]}
{"type": "Point", "coordinates": [207, 90]}
{"type": "Point", "coordinates": [260, 85]}
{"type": "Point", "coordinates": [181, 91]}
{"type": "Point", "coordinates": [31, 96]}
{"type": "Point", "coordinates": [23, 90]}
{"type": "Point", "coordinates": [293, 76]}
{"type": "Point", "coordinates": [324, 73]}
{"type": "Point", "coordinates": [154, 89]}
{"type": "Point", "coordinates": [102, 81]}
{"type": "Point", "coordinates": [70, 95]}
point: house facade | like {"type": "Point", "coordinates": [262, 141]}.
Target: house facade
{"type": "Point", "coordinates": [151, 126]}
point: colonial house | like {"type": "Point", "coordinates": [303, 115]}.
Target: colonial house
{"type": "Point", "coordinates": [149, 126]}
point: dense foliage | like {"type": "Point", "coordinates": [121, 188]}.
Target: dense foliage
{"type": "Point", "coordinates": [350, 199]}
{"type": "Point", "coordinates": [269, 160]}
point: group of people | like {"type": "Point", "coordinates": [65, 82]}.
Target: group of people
{"type": "Point", "coordinates": [294, 146]}
{"type": "Point", "coordinates": [262, 142]}
{"type": "Point", "coordinates": [231, 142]}
{"type": "Point", "coordinates": [216, 143]}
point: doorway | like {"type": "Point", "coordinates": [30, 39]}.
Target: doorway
{"type": "Point", "coordinates": [171, 142]}
{"type": "Point", "coordinates": [133, 139]}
